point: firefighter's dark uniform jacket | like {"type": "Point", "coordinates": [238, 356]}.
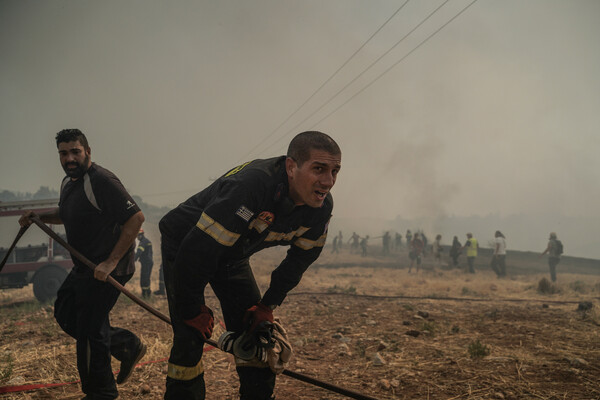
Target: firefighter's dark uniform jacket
{"type": "Point", "coordinates": [144, 251]}
{"type": "Point", "coordinates": [244, 211]}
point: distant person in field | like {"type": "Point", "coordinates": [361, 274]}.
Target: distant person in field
{"type": "Point", "coordinates": [340, 240]}
{"type": "Point", "coordinates": [335, 245]}
{"type": "Point", "coordinates": [416, 252]}
{"type": "Point", "coordinates": [554, 250]}
{"type": "Point", "coordinates": [455, 251]}
{"type": "Point", "coordinates": [387, 240]}
{"type": "Point", "coordinates": [143, 254]}
{"type": "Point", "coordinates": [364, 245]}
{"type": "Point", "coordinates": [409, 238]}
{"type": "Point", "coordinates": [437, 249]}
{"type": "Point", "coordinates": [498, 263]}
{"type": "Point", "coordinates": [398, 240]}
{"type": "Point", "coordinates": [425, 241]}
{"type": "Point", "coordinates": [472, 246]}
{"type": "Point", "coordinates": [354, 242]}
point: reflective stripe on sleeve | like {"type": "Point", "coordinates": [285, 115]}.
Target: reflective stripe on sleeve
{"type": "Point", "coordinates": [306, 244]}
{"type": "Point", "coordinates": [277, 236]}
{"type": "Point", "coordinates": [182, 373]}
{"type": "Point", "coordinates": [217, 231]}
{"type": "Point", "coordinates": [259, 225]}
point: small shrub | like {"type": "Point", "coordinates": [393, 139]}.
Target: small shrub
{"type": "Point", "coordinates": [7, 369]}
{"type": "Point", "coordinates": [578, 286]}
{"type": "Point", "coordinates": [338, 289]}
{"type": "Point", "coordinates": [478, 350]}
{"type": "Point", "coordinates": [468, 292]}
{"type": "Point", "coordinates": [429, 327]}
{"type": "Point", "coordinates": [546, 287]}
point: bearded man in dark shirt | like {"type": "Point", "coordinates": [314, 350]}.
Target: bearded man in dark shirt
{"type": "Point", "coordinates": [101, 221]}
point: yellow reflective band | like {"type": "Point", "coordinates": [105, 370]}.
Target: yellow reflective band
{"type": "Point", "coordinates": [184, 373]}
{"type": "Point", "coordinates": [277, 236]}
{"type": "Point", "coordinates": [306, 244]}
{"type": "Point", "coordinates": [217, 231]}
{"type": "Point", "coordinates": [301, 231]}
{"type": "Point", "coordinates": [259, 225]}
{"type": "Point", "coordinates": [140, 248]}
{"type": "Point", "coordinates": [237, 169]}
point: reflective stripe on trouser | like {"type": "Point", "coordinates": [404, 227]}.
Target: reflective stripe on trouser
{"type": "Point", "coordinates": [236, 289]}
{"type": "Point", "coordinates": [185, 378]}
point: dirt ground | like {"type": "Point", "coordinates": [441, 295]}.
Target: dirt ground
{"type": "Point", "coordinates": [369, 326]}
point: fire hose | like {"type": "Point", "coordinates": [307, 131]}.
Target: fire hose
{"type": "Point", "coordinates": [301, 377]}
{"type": "Point", "coordinates": [12, 246]}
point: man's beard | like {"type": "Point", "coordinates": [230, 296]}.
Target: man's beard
{"type": "Point", "coordinates": [78, 172]}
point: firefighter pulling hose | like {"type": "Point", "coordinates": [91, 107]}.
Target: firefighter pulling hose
{"type": "Point", "coordinates": [230, 342]}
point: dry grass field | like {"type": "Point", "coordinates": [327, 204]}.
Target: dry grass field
{"type": "Point", "coordinates": [366, 324]}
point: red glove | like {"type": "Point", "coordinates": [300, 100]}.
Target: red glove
{"type": "Point", "coordinates": [203, 322]}
{"type": "Point", "coordinates": [258, 314]}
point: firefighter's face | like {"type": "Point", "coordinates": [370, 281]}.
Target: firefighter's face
{"type": "Point", "coordinates": [311, 181]}
{"type": "Point", "coordinates": [74, 158]}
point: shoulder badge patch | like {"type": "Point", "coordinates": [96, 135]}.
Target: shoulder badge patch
{"type": "Point", "coordinates": [267, 217]}
{"type": "Point", "coordinates": [244, 213]}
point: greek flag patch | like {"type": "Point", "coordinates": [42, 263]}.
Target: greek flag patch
{"type": "Point", "coordinates": [244, 213]}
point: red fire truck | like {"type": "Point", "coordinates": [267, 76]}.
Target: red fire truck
{"type": "Point", "coordinates": [45, 264]}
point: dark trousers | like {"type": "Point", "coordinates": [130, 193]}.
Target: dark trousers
{"type": "Point", "coordinates": [161, 278]}
{"type": "Point", "coordinates": [552, 263]}
{"type": "Point", "coordinates": [498, 264]}
{"type": "Point", "coordinates": [145, 273]}
{"type": "Point", "coordinates": [471, 264]}
{"type": "Point", "coordinates": [454, 259]}
{"type": "Point", "coordinates": [82, 310]}
{"type": "Point", "coordinates": [236, 289]}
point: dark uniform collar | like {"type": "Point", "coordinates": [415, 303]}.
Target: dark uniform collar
{"type": "Point", "coordinates": [283, 203]}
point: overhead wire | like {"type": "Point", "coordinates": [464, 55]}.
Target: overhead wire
{"type": "Point", "coordinates": [322, 85]}
{"type": "Point", "coordinates": [378, 77]}
{"type": "Point", "coordinates": [360, 74]}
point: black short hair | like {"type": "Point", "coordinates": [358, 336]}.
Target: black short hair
{"type": "Point", "coordinates": [72, 135]}
{"type": "Point", "coordinates": [301, 145]}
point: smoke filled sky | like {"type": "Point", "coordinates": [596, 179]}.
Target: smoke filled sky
{"type": "Point", "coordinates": [497, 112]}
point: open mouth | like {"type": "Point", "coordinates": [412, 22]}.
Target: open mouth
{"type": "Point", "coordinates": [320, 195]}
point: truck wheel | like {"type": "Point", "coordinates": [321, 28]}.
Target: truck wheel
{"type": "Point", "coordinates": [46, 282]}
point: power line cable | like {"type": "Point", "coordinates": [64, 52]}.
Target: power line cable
{"type": "Point", "coordinates": [323, 84]}
{"type": "Point", "coordinates": [396, 63]}
{"type": "Point", "coordinates": [382, 74]}
{"type": "Point", "coordinates": [374, 80]}
{"type": "Point", "coordinates": [358, 76]}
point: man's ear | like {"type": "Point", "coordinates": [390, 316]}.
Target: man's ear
{"type": "Point", "coordinates": [290, 165]}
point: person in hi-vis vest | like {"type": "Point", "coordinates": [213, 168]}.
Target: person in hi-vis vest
{"type": "Point", "coordinates": [472, 246]}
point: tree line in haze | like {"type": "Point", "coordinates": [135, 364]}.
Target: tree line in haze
{"type": "Point", "coordinates": [152, 213]}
